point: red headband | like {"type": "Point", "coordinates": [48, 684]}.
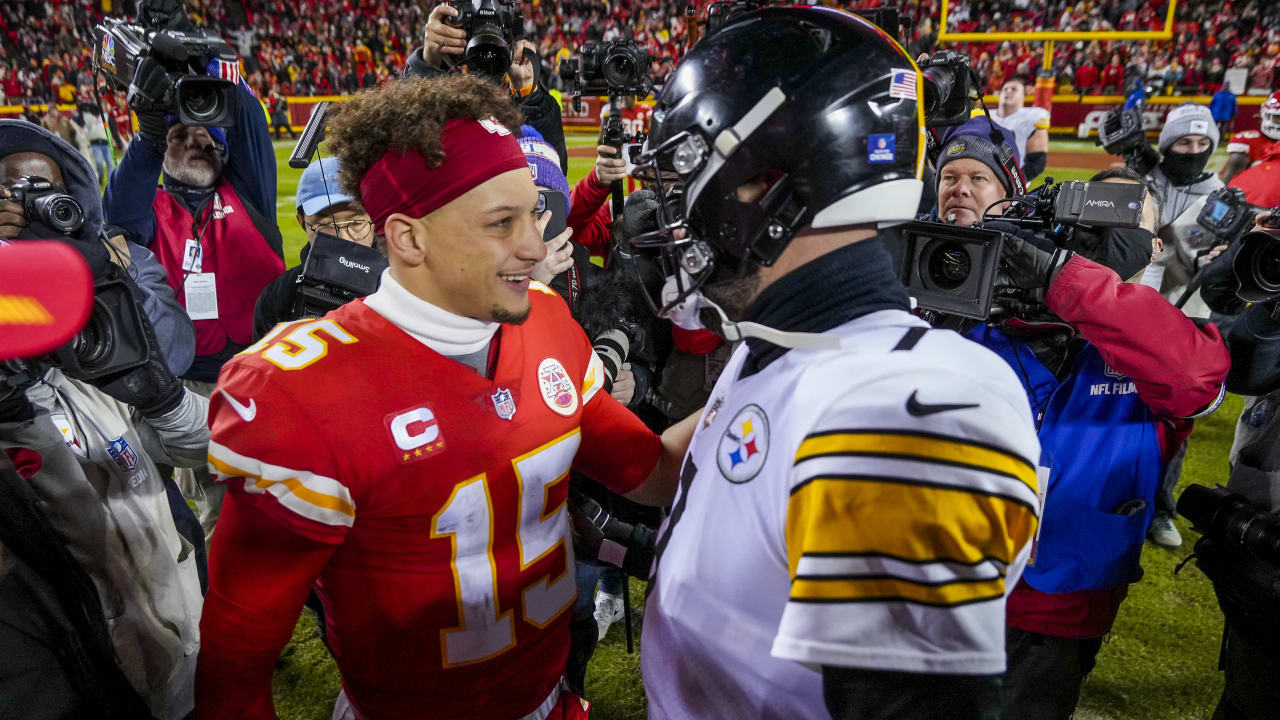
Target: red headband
{"type": "Point", "coordinates": [403, 182]}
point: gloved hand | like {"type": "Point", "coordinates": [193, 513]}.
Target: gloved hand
{"type": "Point", "coordinates": [1031, 260]}
{"type": "Point", "coordinates": [600, 538]}
{"type": "Point", "coordinates": [148, 93]}
{"type": "Point", "coordinates": [151, 388]}
{"type": "Point", "coordinates": [14, 405]}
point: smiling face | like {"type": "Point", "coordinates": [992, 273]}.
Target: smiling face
{"type": "Point", "coordinates": [473, 256]}
{"type": "Point", "coordinates": [965, 188]}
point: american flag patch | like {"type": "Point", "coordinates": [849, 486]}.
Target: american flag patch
{"type": "Point", "coordinates": [225, 70]}
{"type": "Point", "coordinates": [903, 84]}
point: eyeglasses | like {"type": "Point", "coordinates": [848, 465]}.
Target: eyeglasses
{"type": "Point", "coordinates": [354, 229]}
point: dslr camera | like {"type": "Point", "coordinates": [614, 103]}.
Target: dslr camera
{"type": "Point", "coordinates": [44, 202]}
{"type": "Point", "coordinates": [1257, 264]}
{"type": "Point", "coordinates": [335, 273]}
{"type": "Point", "coordinates": [492, 27]}
{"type": "Point", "coordinates": [948, 88]}
{"type": "Point", "coordinates": [616, 68]}
{"type": "Point", "coordinates": [166, 34]}
{"type": "Point", "coordinates": [1226, 213]}
{"type": "Point", "coordinates": [956, 270]}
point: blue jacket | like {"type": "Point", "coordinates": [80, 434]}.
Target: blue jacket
{"type": "Point", "coordinates": [1101, 447]}
{"type": "Point", "coordinates": [1223, 105]}
{"type": "Point", "coordinates": [250, 166]}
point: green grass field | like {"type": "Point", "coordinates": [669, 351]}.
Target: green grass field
{"type": "Point", "coordinates": [1159, 663]}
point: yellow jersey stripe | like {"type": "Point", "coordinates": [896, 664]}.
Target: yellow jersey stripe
{"type": "Point", "coordinates": [296, 486]}
{"type": "Point", "coordinates": [908, 519]}
{"type": "Point", "coordinates": [888, 589]}
{"type": "Point", "coordinates": [924, 447]}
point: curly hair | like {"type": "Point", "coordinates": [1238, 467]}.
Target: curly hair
{"type": "Point", "coordinates": [409, 114]}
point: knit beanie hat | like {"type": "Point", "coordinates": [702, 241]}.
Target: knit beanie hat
{"type": "Point", "coordinates": [1188, 119]}
{"type": "Point", "coordinates": [973, 140]}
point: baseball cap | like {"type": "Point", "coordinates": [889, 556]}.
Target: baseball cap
{"type": "Point", "coordinates": [46, 298]}
{"type": "Point", "coordinates": [319, 189]}
{"type": "Point", "coordinates": [544, 164]}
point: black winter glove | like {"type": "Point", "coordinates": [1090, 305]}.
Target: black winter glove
{"type": "Point", "coordinates": [1031, 260]}
{"type": "Point", "coordinates": [148, 95]}
{"type": "Point", "coordinates": [602, 539]}
{"type": "Point", "coordinates": [151, 388]}
{"type": "Point", "coordinates": [14, 405]}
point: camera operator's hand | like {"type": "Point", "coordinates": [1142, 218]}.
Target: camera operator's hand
{"type": "Point", "coordinates": [521, 70]}
{"type": "Point", "coordinates": [1213, 253]}
{"type": "Point", "coordinates": [1031, 260]}
{"type": "Point", "coordinates": [151, 388]}
{"type": "Point", "coordinates": [609, 166]}
{"type": "Point", "coordinates": [14, 405]}
{"type": "Point", "coordinates": [12, 218]}
{"type": "Point", "coordinates": [602, 539]}
{"type": "Point", "coordinates": [559, 253]}
{"type": "Point", "coordinates": [147, 93]}
{"type": "Point", "coordinates": [442, 38]}
{"type": "Point", "coordinates": [624, 386]}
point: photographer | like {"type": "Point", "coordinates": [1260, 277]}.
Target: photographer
{"type": "Point", "coordinates": [113, 423]}
{"type": "Point", "coordinates": [1115, 375]}
{"type": "Point", "coordinates": [538, 107]}
{"type": "Point", "coordinates": [322, 207]}
{"type": "Point", "coordinates": [212, 224]}
{"type": "Point", "coordinates": [1248, 660]}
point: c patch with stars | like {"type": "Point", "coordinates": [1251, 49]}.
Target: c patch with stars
{"type": "Point", "coordinates": [744, 445]}
{"type": "Point", "coordinates": [415, 433]}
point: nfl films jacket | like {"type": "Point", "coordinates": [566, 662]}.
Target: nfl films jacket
{"type": "Point", "coordinates": [241, 243]}
{"type": "Point", "coordinates": [1107, 429]}
{"type": "Point", "coordinates": [108, 499]}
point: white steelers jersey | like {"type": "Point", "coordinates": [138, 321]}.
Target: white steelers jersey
{"type": "Point", "coordinates": [1022, 124]}
{"type": "Point", "coordinates": [864, 507]}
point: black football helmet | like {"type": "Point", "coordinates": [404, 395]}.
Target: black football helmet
{"type": "Point", "coordinates": [820, 104]}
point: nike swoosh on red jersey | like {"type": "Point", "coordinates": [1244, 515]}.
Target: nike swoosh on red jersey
{"type": "Point", "coordinates": [246, 412]}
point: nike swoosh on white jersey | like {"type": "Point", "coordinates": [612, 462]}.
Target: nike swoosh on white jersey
{"type": "Point", "coordinates": [246, 412]}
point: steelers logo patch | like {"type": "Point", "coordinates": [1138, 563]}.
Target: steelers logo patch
{"type": "Point", "coordinates": [744, 445]}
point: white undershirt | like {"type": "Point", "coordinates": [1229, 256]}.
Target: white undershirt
{"type": "Point", "coordinates": [448, 334]}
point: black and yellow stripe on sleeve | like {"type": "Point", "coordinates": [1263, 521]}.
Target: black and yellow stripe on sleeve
{"type": "Point", "coordinates": [906, 519]}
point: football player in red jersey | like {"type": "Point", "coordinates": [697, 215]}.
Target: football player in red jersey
{"type": "Point", "coordinates": [408, 454]}
{"type": "Point", "coordinates": [1248, 148]}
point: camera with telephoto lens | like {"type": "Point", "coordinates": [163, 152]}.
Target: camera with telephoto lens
{"type": "Point", "coordinates": [948, 88]}
{"type": "Point", "coordinates": [1226, 213]}
{"type": "Point", "coordinates": [1229, 518]}
{"type": "Point", "coordinates": [616, 68]}
{"type": "Point", "coordinates": [165, 34]}
{"type": "Point", "coordinates": [1257, 264]}
{"type": "Point", "coordinates": [493, 27]}
{"type": "Point", "coordinates": [44, 202]}
{"type": "Point", "coordinates": [336, 272]}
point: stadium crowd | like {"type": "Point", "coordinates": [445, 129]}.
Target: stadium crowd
{"type": "Point", "coordinates": [337, 47]}
{"type": "Point", "coordinates": [483, 398]}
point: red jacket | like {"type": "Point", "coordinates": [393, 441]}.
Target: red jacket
{"type": "Point", "coordinates": [590, 214]}
{"type": "Point", "coordinates": [1179, 370]}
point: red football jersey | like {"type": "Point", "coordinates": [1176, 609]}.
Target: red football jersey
{"type": "Point", "coordinates": [1252, 143]}
{"type": "Point", "coordinates": [449, 593]}
{"type": "Point", "coordinates": [1261, 183]}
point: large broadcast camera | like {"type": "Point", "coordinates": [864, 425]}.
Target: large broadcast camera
{"type": "Point", "coordinates": [165, 33]}
{"type": "Point", "coordinates": [957, 270]}
{"type": "Point", "coordinates": [493, 27]}
{"type": "Point", "coordinates": [1257, 264]}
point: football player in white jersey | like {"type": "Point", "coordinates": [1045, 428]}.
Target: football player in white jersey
{"type": "Point", "coordinates": [1029, 125]}
{"type": "Point", "coordinates": [861, 491]}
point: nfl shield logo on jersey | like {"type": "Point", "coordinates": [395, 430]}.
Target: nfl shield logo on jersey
{"type": "Point", "coordinates": [744, 445]}
{"type": "Point", "coordinates": [504, 404]}
{"type": "Point", "coordinates": [123, 454]}
{"type": "Point", "coordinates": [557, 388]}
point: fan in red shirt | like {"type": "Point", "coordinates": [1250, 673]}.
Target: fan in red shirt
{"type": "Point", "coordinates": [408, 454]}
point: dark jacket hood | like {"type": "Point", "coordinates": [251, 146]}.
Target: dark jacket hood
{"type": "Point", "coordinates": [82, 183]}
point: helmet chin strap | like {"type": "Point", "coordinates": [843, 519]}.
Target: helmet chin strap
{"type": "Point", "coordinates": [687, 314]}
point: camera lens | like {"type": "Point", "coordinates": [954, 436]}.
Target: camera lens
{"type": "Point", "coordinates": [487, 52]}
{"type": "Point", "coordinates": [947, 265]}
{"type": "Point", "coordinates": [620, 69]}
{"type": "Point", "coordinates": [93, 343]}
{"type": "Point", "coordinates": [201, 102]}
{"type": "Point", "coordinates": [60, 212]}
{"type": "Point", "coordinates": [1266, 267]}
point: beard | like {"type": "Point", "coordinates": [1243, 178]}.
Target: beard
{"type": "Point", "coordinates": [203, 172]}
{"type": "Point", "coordinates": [509, 317]}
{"type": "Point", "coordinates": [733, 296]}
